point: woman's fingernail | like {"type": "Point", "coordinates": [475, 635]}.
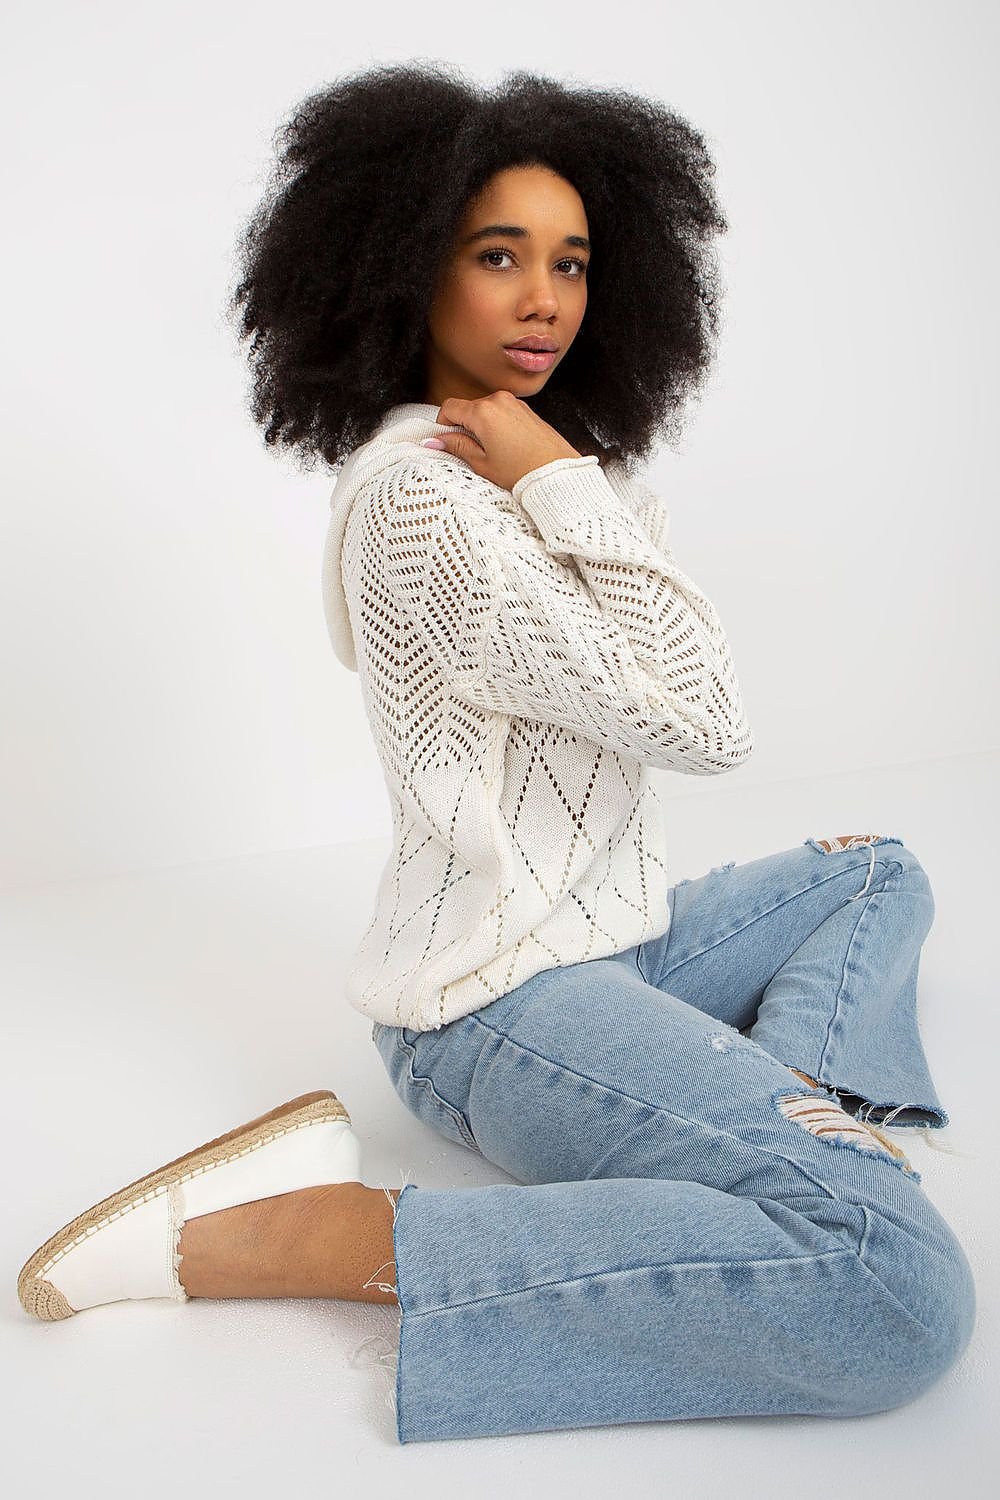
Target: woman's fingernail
{"type": "Point", "coordinates": [432, 443]}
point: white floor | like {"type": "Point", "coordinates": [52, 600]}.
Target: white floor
{"type": "Point", "coordinates": [146, 1014]}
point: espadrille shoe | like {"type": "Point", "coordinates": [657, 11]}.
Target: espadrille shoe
{"type": "Point", "coordinates": [126, 1245]}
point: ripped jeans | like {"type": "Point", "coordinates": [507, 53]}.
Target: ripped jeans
{"type": "Point", "coordinates": [692, 1229]}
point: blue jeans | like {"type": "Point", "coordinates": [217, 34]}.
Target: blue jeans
{"type": "Point", "coordinates": [692, 1229]}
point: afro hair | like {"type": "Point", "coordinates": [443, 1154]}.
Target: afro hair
{"type": "Point", "coordinates": [339, 260]}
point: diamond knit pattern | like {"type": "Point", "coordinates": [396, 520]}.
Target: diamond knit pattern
{"type": "Point", "coordinates": [527, 658]}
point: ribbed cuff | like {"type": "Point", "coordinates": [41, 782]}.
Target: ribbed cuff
{"type": "Point", "coordinates": [578, 512]}
{"type": "Point", "coordinates": [562, 496]}
{"type": "Point", "coordinates": [555, 466]}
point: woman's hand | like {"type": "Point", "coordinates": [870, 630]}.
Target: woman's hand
{"type": "Point", "coordinates": [509, 438]}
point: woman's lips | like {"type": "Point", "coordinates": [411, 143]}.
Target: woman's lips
{"type": "Point", "coordinates": [532, 359]}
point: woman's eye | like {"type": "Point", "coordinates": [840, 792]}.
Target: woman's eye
{"type": "Point", "coordinates": [569, 261]}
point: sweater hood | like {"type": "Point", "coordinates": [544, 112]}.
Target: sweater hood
{"type": "Point", "coordinates": [402, 429]}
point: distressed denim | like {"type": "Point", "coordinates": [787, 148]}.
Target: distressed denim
{"type": "Point", "coordinates": [692, 1229]}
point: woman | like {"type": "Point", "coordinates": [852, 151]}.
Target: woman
{"type": "Point", "coordinates": [680, 1079]}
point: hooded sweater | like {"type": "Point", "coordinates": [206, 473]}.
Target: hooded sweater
{"type": "Point", "coordinates": [526, 658]}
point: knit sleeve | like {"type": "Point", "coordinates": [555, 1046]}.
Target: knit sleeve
{"type": "Point", "coordinates": [582, 620]}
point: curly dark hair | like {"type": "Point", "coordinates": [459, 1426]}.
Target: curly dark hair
{"type": "Point", "coordinates": [340, 259]}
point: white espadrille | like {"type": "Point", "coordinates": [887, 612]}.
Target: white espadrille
{"type": "Point", "coordinates": [126, 1245]}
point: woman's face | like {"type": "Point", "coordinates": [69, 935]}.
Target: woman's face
{"type": "Point", "coordinates": [526, 277]}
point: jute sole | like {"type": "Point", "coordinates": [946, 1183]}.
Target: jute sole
{"type": "Point", "coordinates": [40, 1298]}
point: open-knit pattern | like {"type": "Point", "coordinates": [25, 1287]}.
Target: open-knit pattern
{"type": "Point", "coordinates": [526, 657]}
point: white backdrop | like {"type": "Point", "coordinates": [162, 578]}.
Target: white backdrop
{"type": "Point", "coordinates": [169, 693]}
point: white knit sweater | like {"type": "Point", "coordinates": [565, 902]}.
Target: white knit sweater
{"type": "Point", "coordinates": [526, 657]}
